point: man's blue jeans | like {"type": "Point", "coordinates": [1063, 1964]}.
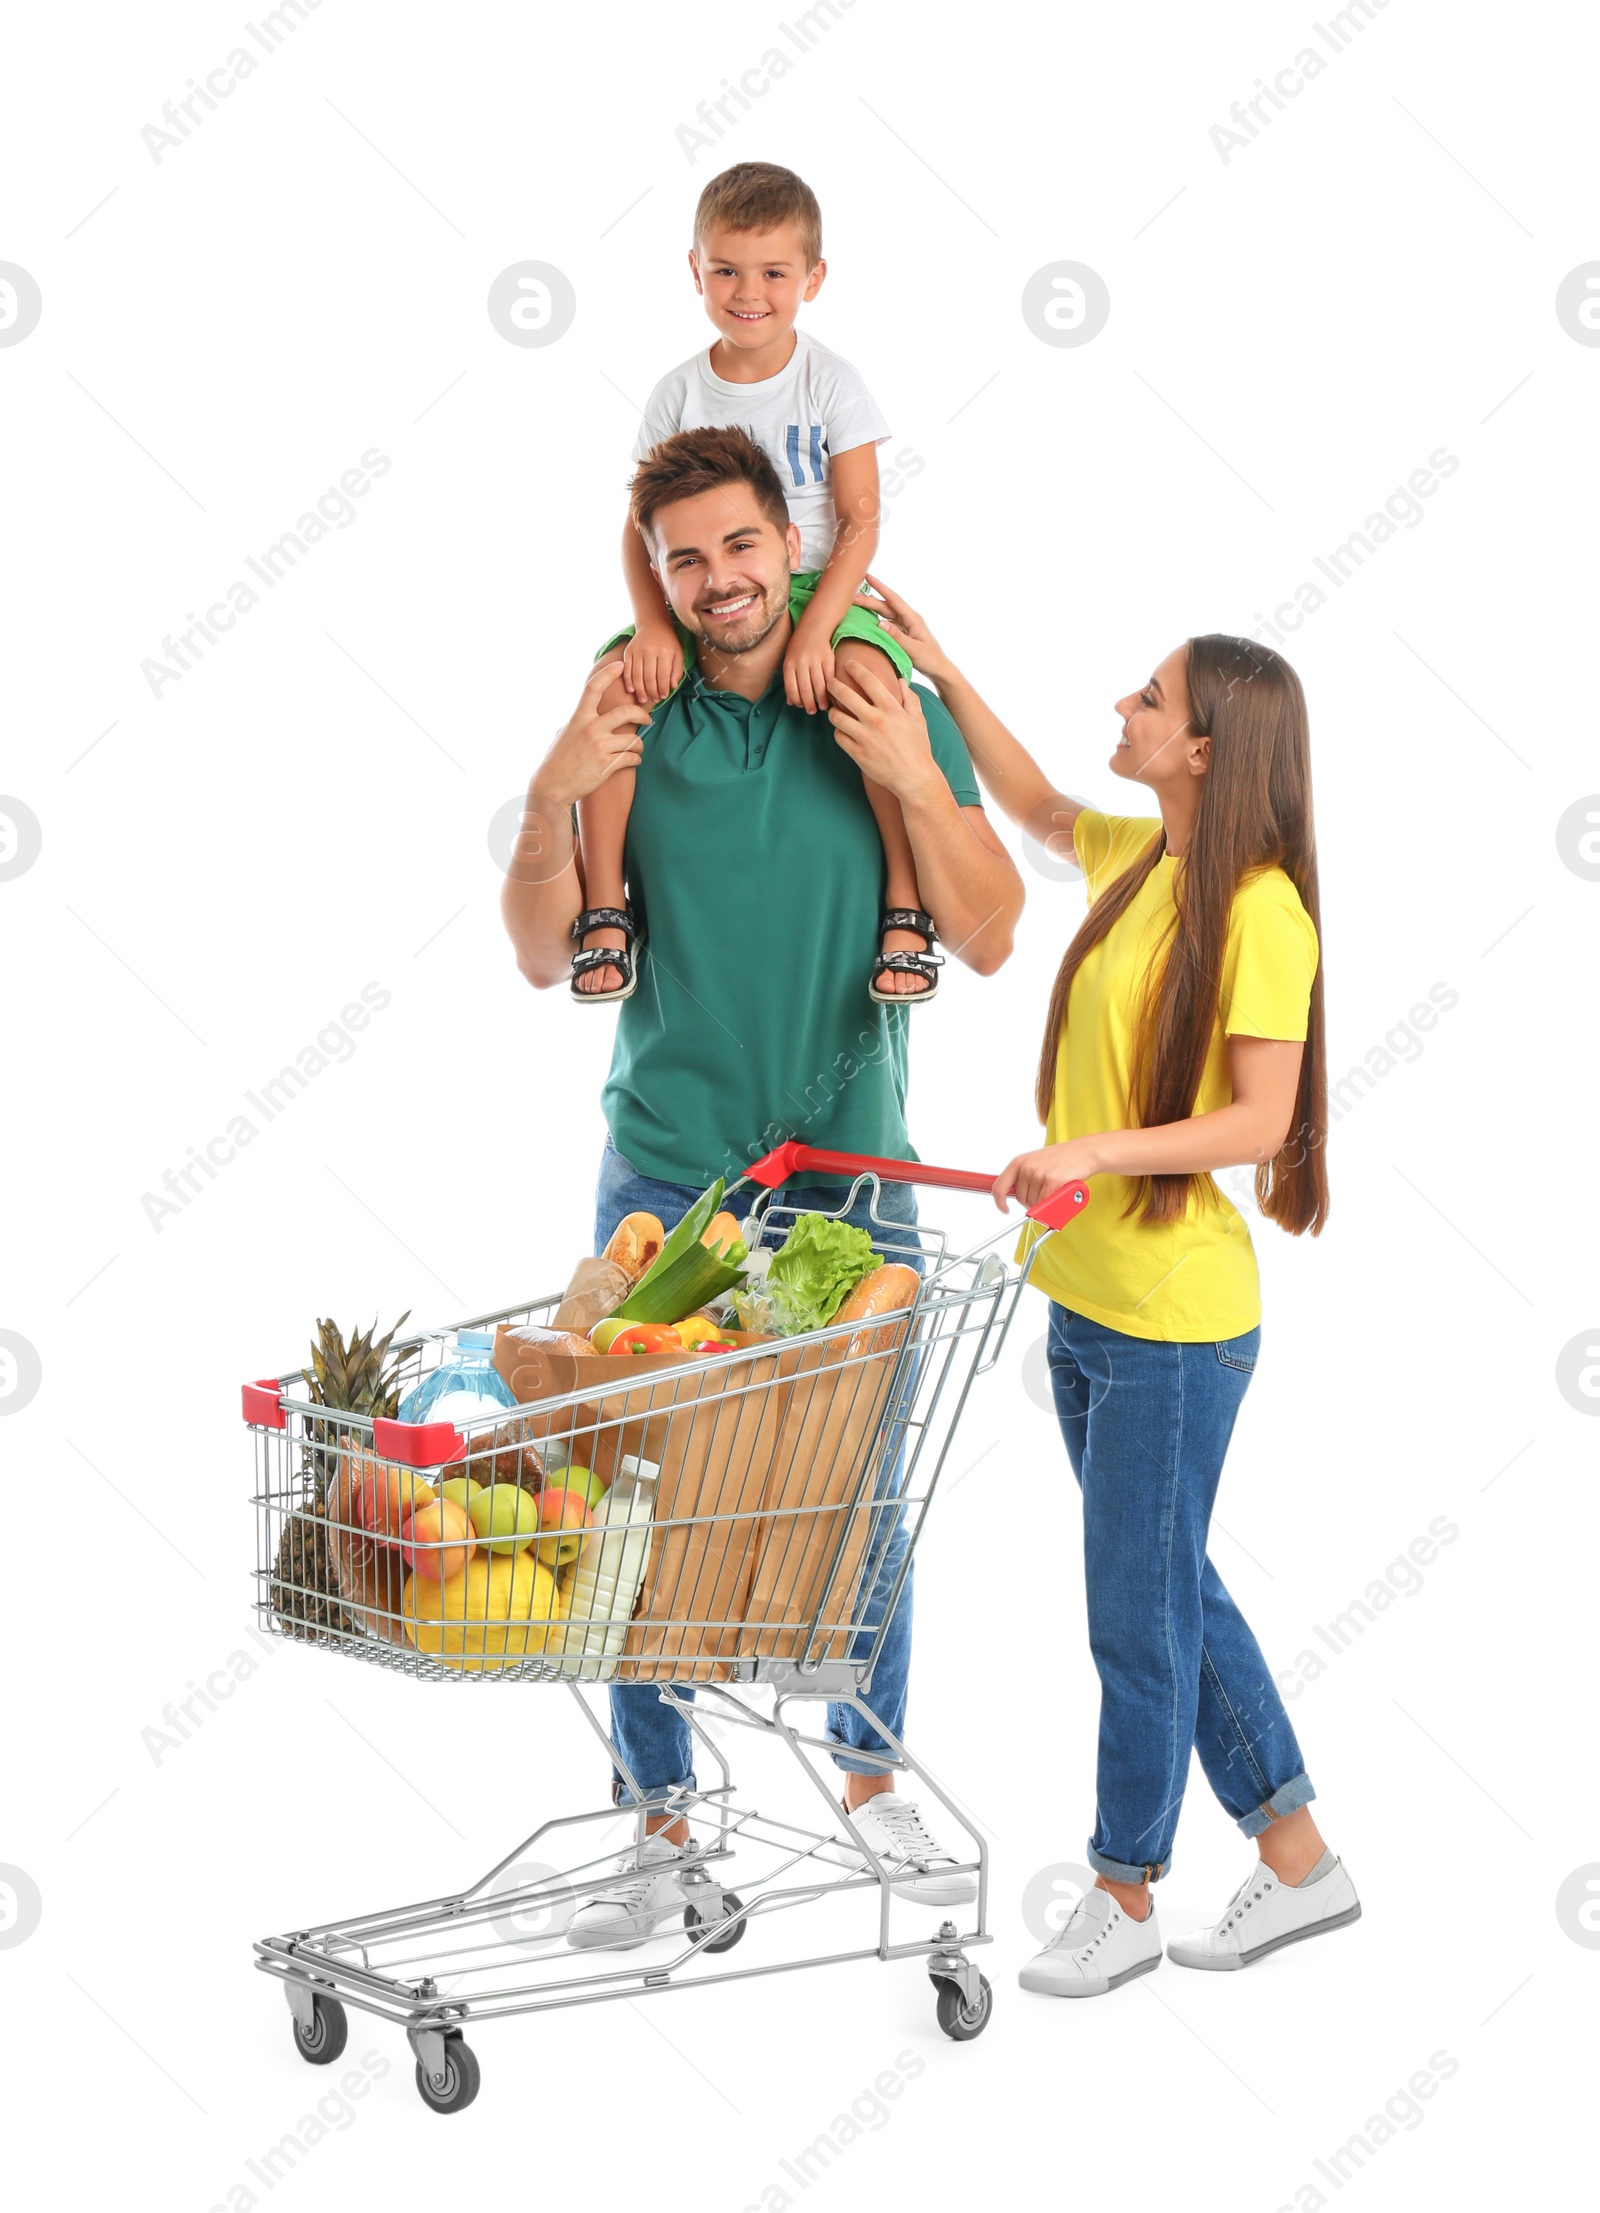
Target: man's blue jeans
{"type": "Point", "coordinates": [1147, 1425]}
{"type": "Point", "coordinates": [656, 1741]}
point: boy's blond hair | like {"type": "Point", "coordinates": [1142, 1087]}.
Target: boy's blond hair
{"type": "Point", "coordinates": [758, 196]}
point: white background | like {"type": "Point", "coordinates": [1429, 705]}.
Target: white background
{"type": "Point", "coordinates": [1292, 333]}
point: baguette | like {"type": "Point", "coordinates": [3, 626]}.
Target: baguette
{"type": "Point", "coordinates": [888, 1290]}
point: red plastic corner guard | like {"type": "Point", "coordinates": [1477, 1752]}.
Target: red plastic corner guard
{"type": "Point", "coordinates": [418, 1444]}
{"type": "Point", "coordinates": [261, 1407]}
{"type": "Point", "coordinates": [1061, 1206]}
{"type": "Point", "coordinates": [777, 1167]}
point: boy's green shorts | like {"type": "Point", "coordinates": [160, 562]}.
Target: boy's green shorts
{"type": "Point", "coordinates": [859, 622]}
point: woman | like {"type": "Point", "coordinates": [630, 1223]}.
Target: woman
{"type": "Point", "coordinates": [1185, 1035]}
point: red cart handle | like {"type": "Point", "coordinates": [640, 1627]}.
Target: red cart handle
{"type": "Point", "coordinates": [778, 1167]}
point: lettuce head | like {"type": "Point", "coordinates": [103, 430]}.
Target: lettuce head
{"type": "Point", "coordinates": [815, 1270]}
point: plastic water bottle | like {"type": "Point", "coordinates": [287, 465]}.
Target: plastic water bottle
{"type": "Point", "coordinates": [464, 1387]}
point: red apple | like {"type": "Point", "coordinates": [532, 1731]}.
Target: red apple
{"type": "Point", "coordinates": [568, 1513]}
{"type": "Point", "coordinates": [436, 1540]}
{"type": "Point", "coordinates": [388, 1495]}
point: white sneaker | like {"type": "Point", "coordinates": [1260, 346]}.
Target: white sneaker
{"type": "Point", "coordinates": [1096, 1950]}
{"type": "Point", "coordinates": [919, 1866]}
{"type": "Point", "coordinates": [648, 1891]}
{"type": "Point", "coordinates": [1264, 1913]}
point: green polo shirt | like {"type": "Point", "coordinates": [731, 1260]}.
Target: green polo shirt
{"type": "Point", "coordinates": [756, 870]}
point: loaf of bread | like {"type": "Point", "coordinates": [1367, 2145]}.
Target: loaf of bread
{"type": "Point", "coordinates": [552, 1340]}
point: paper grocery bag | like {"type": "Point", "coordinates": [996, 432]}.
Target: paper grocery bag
{"type": "Point", "coordinates": [715, 1451]}
{"type": "Point", "coordinates": [711, 1437]}
{"type": "Point", "coordinates": [597, 1288]}
{"type": "Point", "coordinates": [819, 1512]}
{"type": "Point", "coordinates": [624, 1410]}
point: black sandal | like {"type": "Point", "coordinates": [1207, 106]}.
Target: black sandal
{"type": "Point", "coordinates": [619, 957]}
{"type": "Point", "coordinates": [924, 965]}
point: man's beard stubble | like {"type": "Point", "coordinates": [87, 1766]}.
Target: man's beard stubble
{"type": "Point", "coordinates": [756, 628]}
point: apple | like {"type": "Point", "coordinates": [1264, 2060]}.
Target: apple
{"type": "Point", "coordinates": [504, 1517]}
{"type": "Point", "coordinates": [591, 1488]}
{"type": "Point", "coordinates": [461, 1490]}
{"type": "Point", "coordinates": [566, 1512]}
{"type": "Point", "coordinates": [436, 1540]}
{"type": "Point", "coordinates": [388, 1495]}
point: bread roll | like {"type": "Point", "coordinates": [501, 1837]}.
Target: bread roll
{"type": "Point", "coordinates": [888, 1290]}
{"type": "Point", "coordinates": [635, 1243]}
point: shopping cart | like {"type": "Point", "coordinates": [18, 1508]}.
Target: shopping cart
{"type": "Point", "coordinates": [750, 1499]}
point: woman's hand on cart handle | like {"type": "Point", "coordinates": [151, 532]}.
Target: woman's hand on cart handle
{"type": "Point", "coordinates": [1031, 1178]}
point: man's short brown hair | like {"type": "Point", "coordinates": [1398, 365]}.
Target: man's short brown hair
{"type": "Point", "coordinates": [758, 196]}
{"type": "Point", "coordinates": [698, 461]}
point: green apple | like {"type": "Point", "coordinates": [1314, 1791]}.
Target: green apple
{"type": "Point", "coordinates": [462, 1489]}
{"type": "Point", "coordinates": [503, 1517]}
{"type": "Point", "coordinates": [591, 1488]}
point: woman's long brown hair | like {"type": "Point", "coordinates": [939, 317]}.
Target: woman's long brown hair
{"type": "Point", "coordinates": [1254, 813]}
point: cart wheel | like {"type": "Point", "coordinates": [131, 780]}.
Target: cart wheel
{"type": "Point", "coordinates": [323, 2039]}
{"type": "Point", "coordinates": [461, 2078]}
{"type": "Point", "coordinates": [693, 1918]}
{"type": "Point", "coordinates": [956, 2018]}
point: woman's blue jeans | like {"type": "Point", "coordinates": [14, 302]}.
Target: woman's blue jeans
{"type": "Point", "coordinates": [653, 1738]}
{"type": "Point", "coordinates": [1147, 1425]}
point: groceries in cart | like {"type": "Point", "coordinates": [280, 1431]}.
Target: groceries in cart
{"type": "Point", "coordinates": [536, 1497]}
{"type": "Point", "coordinates": [669, 1514]}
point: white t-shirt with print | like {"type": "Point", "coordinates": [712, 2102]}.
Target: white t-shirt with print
{"type": "Point", "coordinates": [816, 406]}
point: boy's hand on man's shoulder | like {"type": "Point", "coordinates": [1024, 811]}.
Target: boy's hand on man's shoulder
{"type": "Point", "coordinates": [808, 666]}
{"type": "Point", "coordinates": [652, 663]}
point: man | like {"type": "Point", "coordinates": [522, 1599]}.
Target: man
{"type": "Point", "coordinates": [755, 868]}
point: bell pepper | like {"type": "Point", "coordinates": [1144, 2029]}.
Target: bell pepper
{"type": "Point", "coordinates": [696, 1330]}
{"type": "Point", "coordinates": [646, 1337]}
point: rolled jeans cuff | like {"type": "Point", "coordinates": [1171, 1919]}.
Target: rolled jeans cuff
{"type": "Point", "coordinates": [1122, 1871]}
{"type": "Point", "coordinates": [856, 1762]}
{"type": "Point", "coordinates": [656, 1794]}
{"type": "Point", "coordinates": [1297, 1792]}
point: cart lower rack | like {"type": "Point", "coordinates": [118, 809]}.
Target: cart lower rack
{"type": "Point", "coordinates": [744, 1526]}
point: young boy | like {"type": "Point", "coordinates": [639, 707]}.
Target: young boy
{"type": "Point", "coordinates": [756, 259]}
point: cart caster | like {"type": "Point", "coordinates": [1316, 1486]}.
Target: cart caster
{"type": "Point", "coordinates": [693, 1919]}
{"type": "Point", "coordinates": [457, 2088]}
{"type": "Point", "coordinates": [956, 2017]}
{"type": "Point", "coordinates": [321, 2037]}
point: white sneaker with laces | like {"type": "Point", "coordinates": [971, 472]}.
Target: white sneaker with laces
{"type": "Point", "coordinates": [919, 1866]}
{"type": "Point", "coordinates": [1264, 1914]}
{"type": "Point", "coordinates": [648, 1891]}
{"type": "Point", "coordinates": [1097, 1949]}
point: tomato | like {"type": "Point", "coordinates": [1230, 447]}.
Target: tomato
{"type": "Point", "coordinates": [636, 1337]}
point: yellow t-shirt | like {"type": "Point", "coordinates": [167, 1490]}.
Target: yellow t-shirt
{"type": "Point", "coordinates": [1192, 1280]}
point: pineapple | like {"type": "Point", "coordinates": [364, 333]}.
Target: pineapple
{"type": "Point", "coordinates": [354, 1378]}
